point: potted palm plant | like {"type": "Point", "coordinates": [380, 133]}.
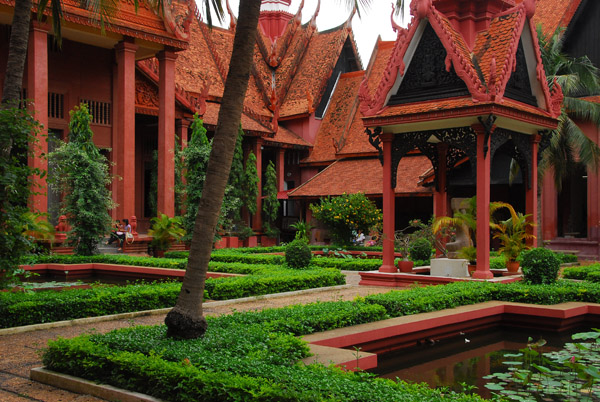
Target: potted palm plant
{"type": "Point", "coordinates": [513, 234]}
{"type": "Point", "coordinates": [165, 231]}
{"type": "Point", "coordinates": [402, 244]}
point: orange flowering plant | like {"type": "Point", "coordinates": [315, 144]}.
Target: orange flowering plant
{"type": "Point", "coordinates": [347, 215]}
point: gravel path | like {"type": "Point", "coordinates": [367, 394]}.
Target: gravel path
{"type": "Point", "coordinates": [21, 352]}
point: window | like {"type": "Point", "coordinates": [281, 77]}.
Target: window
{"type": "Point", "coordinates": [100, 111]}
{"type": "Point", "coordinates": [56, 105]}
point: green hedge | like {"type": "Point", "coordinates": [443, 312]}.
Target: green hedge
{"type": "Point", "coordinates": [106, 259]}
{"type": "Point", "coordinates": [18, 308]}
{"type": "Point", "coordinates": [434, 298]}
{"type": "Point", "coordinates": [350, 264]}
{"type": "Point", "coordinates": [250, 356]}
{"type": "Point", "coordinates": [586, 273]}
{"type": "Point", "coordinates": [243, 357]}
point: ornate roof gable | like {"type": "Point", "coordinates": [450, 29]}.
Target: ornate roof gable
{"type": "Point", "coordinates": [486, 70]}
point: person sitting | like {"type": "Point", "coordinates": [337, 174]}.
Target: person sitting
{"type": "Point", "coordinates": [120, 233]}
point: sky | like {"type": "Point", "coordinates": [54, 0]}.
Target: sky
{"type": "Point", "coordinates": [374, 21]}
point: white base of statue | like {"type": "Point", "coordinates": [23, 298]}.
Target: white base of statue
{"type": "Point", "coordinates": [450, 267]}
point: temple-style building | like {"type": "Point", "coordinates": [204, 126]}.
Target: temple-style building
{"type": "Point", "coordinates": [405, 130]}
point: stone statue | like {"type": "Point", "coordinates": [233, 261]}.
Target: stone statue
{"type": "Point", "coordinates": [133, 224]}
{"type": "Point", "coordinates": [463, 237]}
{"type": "Point", "coordinates": [61, 229]}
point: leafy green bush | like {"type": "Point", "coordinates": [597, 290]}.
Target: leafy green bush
{"type": "Point", "coordinates": [347, 214]}
{"type": "Point", "coordinates": [420, 249]}
{"type": "Point", "coordinates": [248, 258]}
{"type": "Point", "coordinates": [261, 366]}
{"type": "Point", "coordinates": [354, 264]}
{"type": "Point", "coordinates": [540, 266]}
{"type": "Point", "coordinates": [586, 272]}
{"type": "Point", "coordinates": [565, 258]}
{"type": "Point", "coordinates": [297, 254]}
{"type": "Point", "coordinates": [177, 254]}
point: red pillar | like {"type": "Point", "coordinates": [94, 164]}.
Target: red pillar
{"type": "Point", "coordinates": [279, 167]}
{"type": "Point", "coordinates": [166, 133]}
{"type": "Point", "coordinates": [124, 132]}
{"type": "Point", "coordinates": [37, 91]}
{"type": "Point", "coordinates": [257, 217]}
{"type": "Point", "coordinates": [388, 207]}
{"type": "Point", "coordinates": [531, 205]}
{"type": "Point", "coordinates": [440, 197]}
{"type": "Point", "coordinates": [549, 207]}
{"type": "Point", "coordinates": [181, 129]}
{"type": "Point", "coordinates": [483, 208]}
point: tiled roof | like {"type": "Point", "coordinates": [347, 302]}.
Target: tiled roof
{"type": "Point", "coordinates": [315, 68]}
{"type": "Point", "coordinates": [555, 13]}
{"type": "Point", "coordinates": [486, 69]}
{"type": "Point", "coordinates": [366, 176]}
{"type": "Point", "coordinates": [355, 140]}
{"type": "Point", "coordinates": [248, 124]}
{"type": "Point", "coordinates": [287, 137]}
{"type": "Point", "coordinates": [337, 119]}
{"type": "Point", "coordinates": [456, 103]}
{"type": "Point", "coordinates": [144, 23]}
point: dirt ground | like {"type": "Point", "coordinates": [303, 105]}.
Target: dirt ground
{"type": "Point", "coordinates": [21, 352]}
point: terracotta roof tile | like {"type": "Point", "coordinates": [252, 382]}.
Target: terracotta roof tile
{"type": "Point", "coordinates": [454, 103]}
{"type": "Point", "coordinates": [288, 137]}
{"type": "Point", "coordinates": [366, 176]}
{"type": "Point", "coordinates": [499, 42]}
{"type": "Point", "coordinates": [355, 140]}
{"type": "Point", "coordinates": [555, 13]}
{"type": "Point", "coordinates": [314, 70]}
{"type": "Point", "coordinates": [248, 124]}
{"type": "Point", "coordinates": [337, 118]}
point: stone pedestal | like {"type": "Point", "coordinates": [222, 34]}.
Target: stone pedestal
{"type": "Point", "coordinates": [456, 268]}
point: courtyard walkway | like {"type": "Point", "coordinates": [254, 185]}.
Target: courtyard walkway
{"type": "Point", "coordinates": [19, 352]}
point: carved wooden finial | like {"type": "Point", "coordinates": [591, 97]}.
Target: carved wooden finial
{"type": "Point", "coordinates": [232, 18]}
{"type": "Point", "coordinates": [310, 102]}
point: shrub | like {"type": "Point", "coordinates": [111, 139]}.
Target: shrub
{"type": "Point", "coordinates": [297, 254]}
{"type": "Point", "coordinates": [420, 249]}
{"type": "Point", "coordinates": [540, 266]}
{"type": "Point", "coordinates": [347, 214]}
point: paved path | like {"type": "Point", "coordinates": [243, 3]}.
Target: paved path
{"type": "Point", "coordinates": [21, 352]}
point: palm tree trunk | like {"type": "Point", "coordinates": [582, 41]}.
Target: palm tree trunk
{"type": "Point", "coordinates": [186, 319]}
{"type": "Point", "coordinates": [17, 52]}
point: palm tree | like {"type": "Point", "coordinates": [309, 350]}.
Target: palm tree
{"type": "Point", "coordinates": [186, 319]}
{"type": "Point", "coordinates": [578, 77]}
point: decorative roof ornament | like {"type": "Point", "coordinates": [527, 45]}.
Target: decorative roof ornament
{"type": "Point", "coordinates": [274, 60]}
{"type": "Point", "coordinates": [232, 17]}
{"type": "Point", "coordinates": [348, 22]}
{"type": "Point", "coordinates": [313, 20]}
{"type": "Point", "coordinates": [310, 102]}
{"type": "Point", "coordinates": [203, 96]}
{"type": "Point", "coordinates": [492, 80]}
{"type": "Point", "coordinates": [397, 28]}
{"type": "Point", "coordinates": [557, 98]}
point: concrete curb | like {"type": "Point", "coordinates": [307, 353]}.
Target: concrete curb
{"type": "Point", "coordinates": [81, 386]}
{"type": "Point", "coordinates": [134, 314]}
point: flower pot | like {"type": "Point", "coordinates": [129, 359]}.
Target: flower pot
{"type": "Point", "coordinates": [472, 268]}
{"type": "Point", "coordinates": [405, 265]}
{"type": "Point", "coordinates": [512, 266]}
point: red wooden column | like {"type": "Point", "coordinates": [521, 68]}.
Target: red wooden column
{"type": "Point", "coordinates": [440, 198]}
{"type": "Point", "coordinates": [37, 91]}
{"type": "Point", "coordinates": [483, 207]}
{"type": "Point", "coordinates": [181, 128]}
{"type": "Point", "coordinates": [124, 132]}
{"type": "Point", "coordinates": [166, 133]}
{"type": "Point", "coordinates": [531, 205]}
{"type": "Point", "coordinates": [257, 217]}
{"type": "Point", "coordinates": [280, 168]}
{"type": "Point", "coordinates": [549, 207]}
{"type": "Point", "coordinates": [389, 219]}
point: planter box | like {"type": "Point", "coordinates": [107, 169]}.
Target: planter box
{"type": "Point", "coordinates": [268, 241]}
{"type": "Point", "coordinates": [251, 241]}
{"type": "Point", "coordinates": [455, 268]}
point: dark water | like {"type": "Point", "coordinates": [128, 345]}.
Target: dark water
{"type": "Point", "coordinates": [464, 359]}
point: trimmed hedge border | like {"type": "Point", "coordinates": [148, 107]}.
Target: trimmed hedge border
{"type": "Point", "coordinates": [18, 308]}
{"type": "Point", "coordinates": [586, 273]}
{"type": "Point", "coordinates": [260, 367]}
